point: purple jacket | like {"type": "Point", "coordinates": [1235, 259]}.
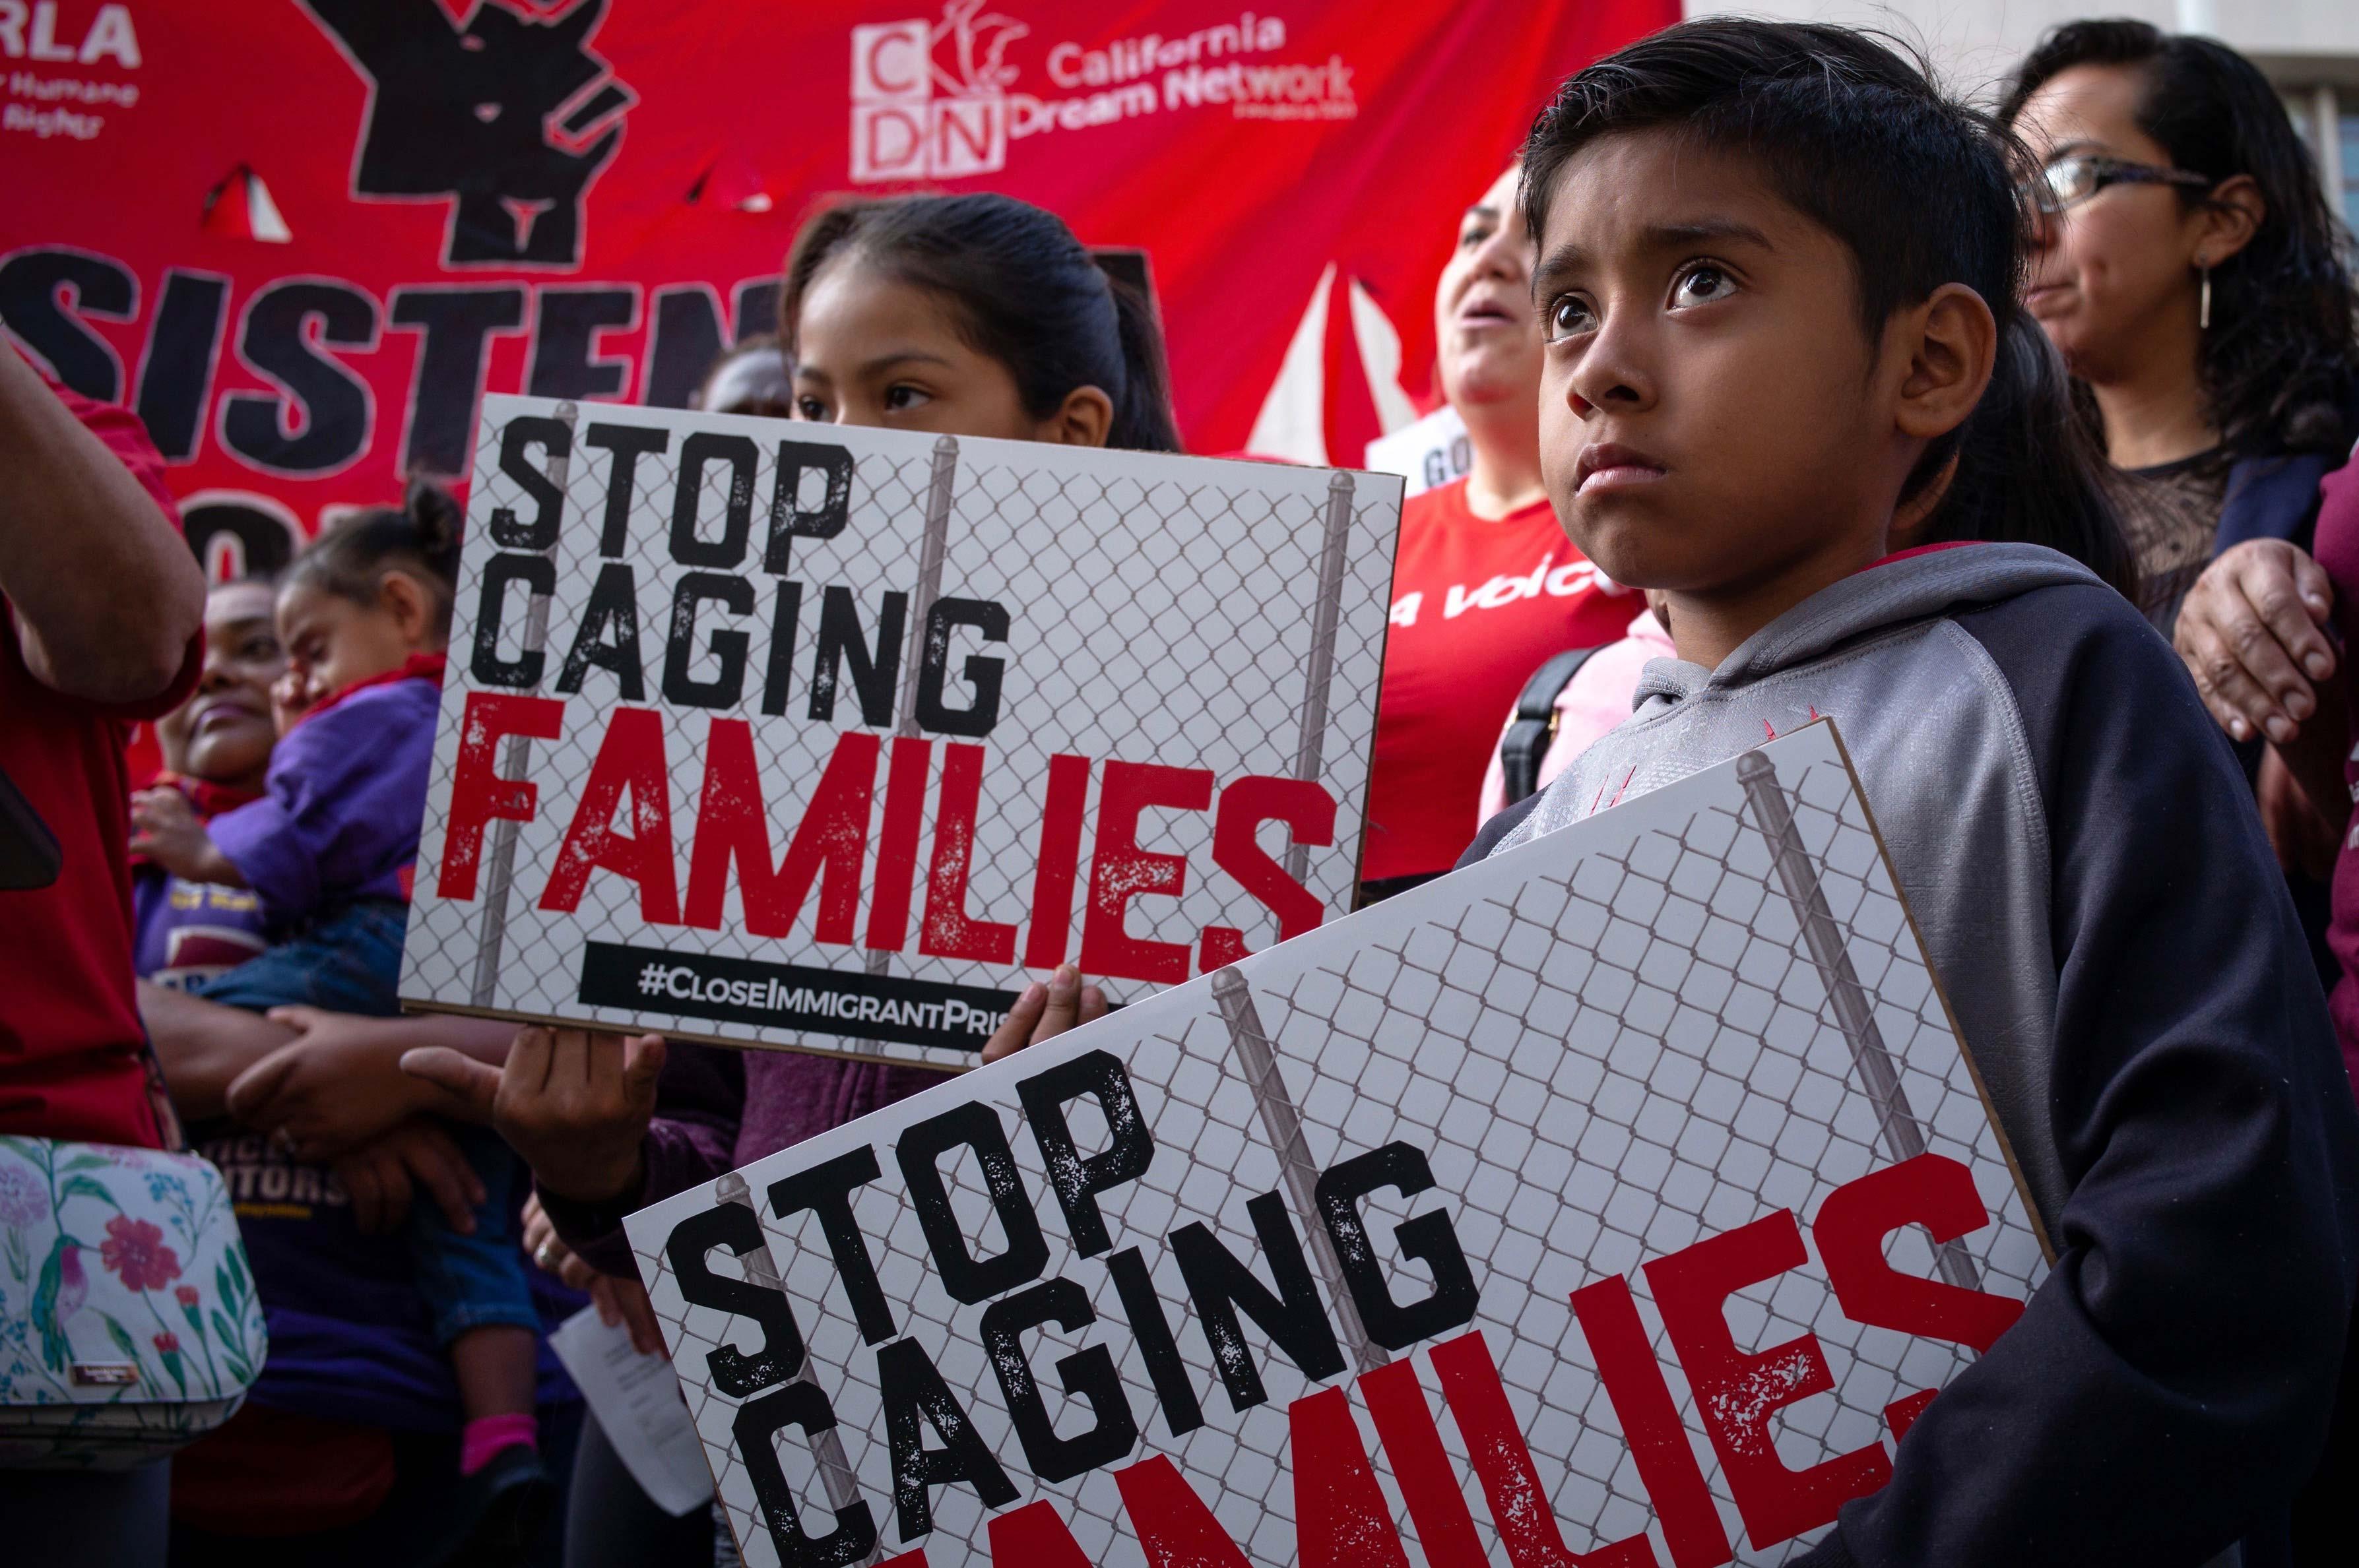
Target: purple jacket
{"type": "Point", "coordinates": [722, 1110]}
{"type": "Point", "coordinates": [339, 816]}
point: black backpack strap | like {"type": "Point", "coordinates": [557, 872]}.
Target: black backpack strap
{"type": "Point", "coordinates": [1534, 726]}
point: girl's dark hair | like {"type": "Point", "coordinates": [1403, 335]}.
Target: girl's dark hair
{"type": "Point", "coordinates": [420, 536]}
{"type": "Point", "coordinates": [2278, 359]}
{"type": "Point", "coordinates": [1923, 191]}
{"type": "Point", "coordinates": [1025, 292]}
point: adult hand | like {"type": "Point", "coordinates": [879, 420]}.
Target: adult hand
{"type": "Point", "coordinates": [382, 1177]}
{"type": "Point", "coordinates": [337, 1085]}
{"type": "Point", "coordinates": [575, 1104]}
{"type": "Point", "coordinates": [1044, 1011]}
{"type": "Point", "coordinates": [2249, 632]}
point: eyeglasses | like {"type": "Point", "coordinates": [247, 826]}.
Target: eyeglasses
{"type": "Point", "coordinates": [2068, 181]}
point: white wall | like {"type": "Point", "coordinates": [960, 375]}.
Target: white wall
{"type": "Point", "coordinates": [1975, 43]}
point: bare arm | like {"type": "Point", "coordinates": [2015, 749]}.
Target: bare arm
{"type": "Point", "coordinates": [204, 1046]}
{"type": "Point", "coordinates": [338, 1083]}
{"type": "Point", "coordinates": [104, 591]}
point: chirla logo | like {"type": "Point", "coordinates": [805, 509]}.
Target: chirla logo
{"type": "Point", "coordinates": [917, 115]}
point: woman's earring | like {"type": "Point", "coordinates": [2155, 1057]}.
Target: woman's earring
{"type": "Point", "coordinates": [2204, 310]}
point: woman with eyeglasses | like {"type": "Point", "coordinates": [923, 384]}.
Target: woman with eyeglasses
{"type": "Point", "coordinates": [2185, 263]}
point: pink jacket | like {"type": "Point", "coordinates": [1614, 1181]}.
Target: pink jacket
{"type": "Point", "coordinates": [1596, 701]}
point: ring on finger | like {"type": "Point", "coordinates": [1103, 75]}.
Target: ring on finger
{"type": "Point", "coordinates": [545, 1254]}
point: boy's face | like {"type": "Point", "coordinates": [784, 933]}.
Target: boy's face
{"type": "Point", "coordinates": [1712, 414]}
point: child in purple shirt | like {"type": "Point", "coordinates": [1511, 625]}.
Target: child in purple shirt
{"type": "Point", "coordinates": [328, 851]}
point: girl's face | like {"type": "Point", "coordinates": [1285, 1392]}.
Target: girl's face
{"type": "Point", "coordinates": [333, 642]}
{"type": "Point", "coordinates": [223, 733]}
{"type": "Point", "coordinates": [1486, 326]}
{"type": "Point", "coordinates": [875, 352]}
{"type": "Point", "coordinates": [2114, 277]}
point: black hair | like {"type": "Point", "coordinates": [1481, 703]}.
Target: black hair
{"type": "Point", "coordinates": [780, 406]}
{"type": "Point", "coordinates": [1025, 291]}
{"type": "Point", "coordinates": [420, 536]}
{"type": "Point", "coordinates": [1921, 188]}
{"type": "Point", "coordinates": [2277, 362]}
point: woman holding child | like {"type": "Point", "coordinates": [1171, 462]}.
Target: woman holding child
{"type": "Point", "coordinates": [276, 850]}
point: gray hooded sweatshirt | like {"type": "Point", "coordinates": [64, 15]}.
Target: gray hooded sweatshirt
{"type": "Point", "coordinates": [2080, 849]}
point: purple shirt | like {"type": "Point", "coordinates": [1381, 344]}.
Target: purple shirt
{"type": "Point", "coordinates": [183, 932]}
{"type": "Point", "coordinates": [339, 816]}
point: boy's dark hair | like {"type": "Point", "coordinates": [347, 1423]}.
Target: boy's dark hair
{"type": "Point", "coordinates": [1025, 291]}
{"type": "Point", "coordinates": [2279, 358]}
{"type": "Point", "coordinates": [420, 536]}
{"type": "Point", "coordinates": [1921, 190]}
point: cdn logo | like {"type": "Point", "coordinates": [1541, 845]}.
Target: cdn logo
{"type": "Point", "coordinates": [902, 128]}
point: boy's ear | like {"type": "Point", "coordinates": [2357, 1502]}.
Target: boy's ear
{"type": "Point", "coordinates": [1952, 341]}
{"type": "Point", "coordinates": [1083, 419]}
{"type": "Point", "coordinates": [411, 603]}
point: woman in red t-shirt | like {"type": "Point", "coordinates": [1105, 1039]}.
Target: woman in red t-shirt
{"type": "Point", "coordinates": [1485, 586]}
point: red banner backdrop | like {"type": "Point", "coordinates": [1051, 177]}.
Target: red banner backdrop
{"type": "Point", "coordinates": [302, 237]}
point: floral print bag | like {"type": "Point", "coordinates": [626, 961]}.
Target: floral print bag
{"type": "Point", "coordinates": [128, 1322]}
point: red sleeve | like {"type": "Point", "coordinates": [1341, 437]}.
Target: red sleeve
{"type": "Point", "coordinates": [120, 430]}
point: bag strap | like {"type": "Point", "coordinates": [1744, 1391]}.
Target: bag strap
{"type": "Point", "coordinates": [1534, 726]}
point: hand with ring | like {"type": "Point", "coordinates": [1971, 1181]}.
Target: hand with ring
{"type": "Point", "coordinates": [541, 1239]}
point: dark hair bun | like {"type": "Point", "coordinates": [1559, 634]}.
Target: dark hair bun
{"type": "Point", "coordinates": [435, 516]}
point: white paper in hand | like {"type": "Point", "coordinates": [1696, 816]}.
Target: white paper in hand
{"type": "Point", "coordinates": [637, 1401]}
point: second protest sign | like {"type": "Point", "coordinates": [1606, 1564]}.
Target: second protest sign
{"type": "Point", "coordinates": [1619, 1200]}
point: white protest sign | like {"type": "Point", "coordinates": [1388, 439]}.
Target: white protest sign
{"type": "Point", "coordinates": [1563, 1210]}
{"type": "Point", "coordinates": [794, 735]}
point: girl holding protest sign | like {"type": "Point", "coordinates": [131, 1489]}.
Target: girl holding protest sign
{"type": "Point", "coordinates": [972, 316]}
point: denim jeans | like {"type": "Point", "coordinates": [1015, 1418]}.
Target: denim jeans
{"type": "Point", "coordinates": [349, 960]}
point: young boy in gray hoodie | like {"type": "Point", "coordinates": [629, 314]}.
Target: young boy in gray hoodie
{"type": "Point", "coordinates": [1777, 271]}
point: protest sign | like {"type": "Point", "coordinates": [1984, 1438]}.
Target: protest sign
{"type": "Point", "coordinates": [787, 734]}
{"type": "Point", "coordinates": [1563, 1210]}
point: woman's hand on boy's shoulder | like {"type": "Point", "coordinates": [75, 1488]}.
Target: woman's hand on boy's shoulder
{"type": "Point", "coordinates": [1042, 1010]}
{"type": "Point", "coordinates": [576, 1103]}
{"type": "Point", "coordinates": [2251, 635]}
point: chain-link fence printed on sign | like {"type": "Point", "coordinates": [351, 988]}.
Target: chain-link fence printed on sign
{"type": "Point", "coordinates": [1509, 1221]}
{"type": "Point", "coordinates": [788, 735]}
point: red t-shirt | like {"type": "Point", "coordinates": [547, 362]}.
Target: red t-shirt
{"type": "Point", "coordinates": [72, 1062]}
{"type": "Point", "coordinates": [1477, 606]}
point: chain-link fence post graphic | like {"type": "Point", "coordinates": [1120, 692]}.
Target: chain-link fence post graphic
{"type": "Point", "coordinates": [1308, 751]}
{"type": "Point", "coordinates": [835, 1471]}
{"type": "Point", "coordinates": [1232, 994]}
{"type": "Point", "coordinates": [514, 751]}
{"type": "Point", "coordinates": [939, 489]}
{"type": "Point", "coordinates": [1904, 1135]}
